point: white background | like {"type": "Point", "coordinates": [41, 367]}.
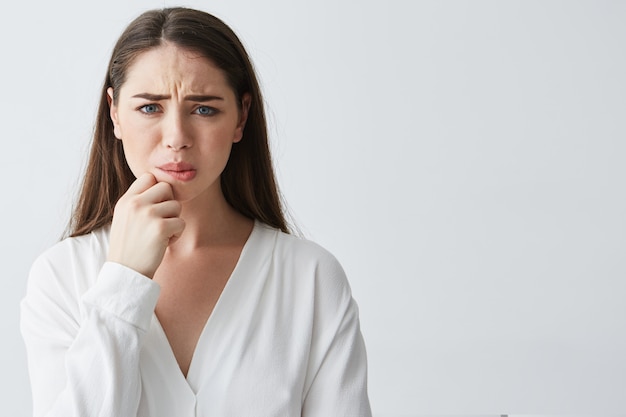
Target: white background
{"type": "Point", "coordinates": [463, 160]}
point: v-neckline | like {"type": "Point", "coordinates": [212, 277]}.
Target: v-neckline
{"type": "Point", "coordinates": [191, 380]}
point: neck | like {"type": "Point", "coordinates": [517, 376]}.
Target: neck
{"type": "Point", "coordinates": [210, 221]}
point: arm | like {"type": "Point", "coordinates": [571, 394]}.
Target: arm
{"type": "Point", "coordinates": [83, 354]}
{"type": "Point", "coordinates": [83, 349]}
{"type": "Point", "coordinates": [337, 373]}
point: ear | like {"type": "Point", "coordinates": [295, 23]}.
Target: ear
{"type": "Point", "coordinates": [113, 113]}
{"type": "Point", "coordinates": [243, 117]}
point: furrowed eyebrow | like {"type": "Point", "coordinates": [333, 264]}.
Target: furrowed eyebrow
{"type": "Point", "coordinates": [152, 97]}
{"type": "Point", "coordinates": [196, 97]}
{"type": "Point", "coordinates": [200, 98]}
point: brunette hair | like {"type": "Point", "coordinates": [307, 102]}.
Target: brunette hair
{"type": "Point", "coordinates": [247, 182]}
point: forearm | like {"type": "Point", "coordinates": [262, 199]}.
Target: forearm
{"type": "Point", "coordinates": [93, 371]}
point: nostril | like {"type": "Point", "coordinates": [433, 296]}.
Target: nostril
{"type": "Point", "coordinates": [177, 143]}
{"type": "Point", "coordinates": [177, 147]}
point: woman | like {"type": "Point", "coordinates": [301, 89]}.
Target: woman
{"type": "Point", "coordinates": [180, 291]}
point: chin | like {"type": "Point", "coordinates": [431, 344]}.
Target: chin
{"type": "Point", "coordinates": [181, 195]}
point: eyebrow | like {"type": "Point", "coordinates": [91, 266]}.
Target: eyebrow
{"type": "Point", "coordinates": [193, 97]}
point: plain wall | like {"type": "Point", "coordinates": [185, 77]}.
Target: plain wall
{"type": "Point", "coordinates": [463, 160]}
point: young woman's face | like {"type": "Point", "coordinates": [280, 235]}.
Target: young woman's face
{"type": "Point", "coordinates": [178, 119]}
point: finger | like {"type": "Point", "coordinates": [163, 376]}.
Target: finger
{"type": "Point", "coordinates": [159, 192]}
{"type": "Point", "coordinates": [142, 183]}
{"type": "Point", "coordinates": [173, 227]}
{"type": "Point", "coordinates": [166, 209]}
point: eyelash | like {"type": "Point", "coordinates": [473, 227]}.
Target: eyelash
{"type": "Point", "coordinates": [143, 108]}
{"type": "Point", "coordinates": [211, 110]}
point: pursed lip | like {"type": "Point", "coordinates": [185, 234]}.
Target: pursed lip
{"type": "Point", "coordinates": [176, 167]}
{"type": "Point", "coordinates": [181, 171]}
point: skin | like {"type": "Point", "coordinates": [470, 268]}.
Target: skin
{"type": "Point", "coordinates": [177, 107]}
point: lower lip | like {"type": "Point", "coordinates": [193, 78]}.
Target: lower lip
{"type": "Point", "coordinates": [181, 175]}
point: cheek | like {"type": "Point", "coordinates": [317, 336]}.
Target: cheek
{"type": "Point", "coordinates": [229, 134]}
{"type": "Point", "coordinates": [131, 158]}
{"type": "Point", "coordinates": [137, 155]}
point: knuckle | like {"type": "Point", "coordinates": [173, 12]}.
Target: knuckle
{"type": "Point", "coordinates": [151, 211]}
{"type": "Point", "coordinates": [134, 203]}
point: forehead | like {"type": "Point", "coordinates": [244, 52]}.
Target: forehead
{"type": "Point", "coordinates": [168, 67]}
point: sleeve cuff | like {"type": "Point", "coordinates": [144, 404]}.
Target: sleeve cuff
{"type": "Point", "coordinates": [124, 293]}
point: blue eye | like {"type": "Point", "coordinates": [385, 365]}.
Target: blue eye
{"type": "Point", "coordinates": [149, 108]}
{"type": "Point", "coordinates": [205, 111]}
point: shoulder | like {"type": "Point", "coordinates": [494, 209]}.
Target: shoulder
{"type": "Point", "coordinates": [80, 249]}
{"type": "Point", "coordinates": [297, 250]}
{"type": "Point", "coordinates": [71, 261]}
{"type": "Point", "coordinates": [306, 262]}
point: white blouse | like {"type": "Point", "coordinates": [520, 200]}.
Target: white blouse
{"type": "Point", "coordinates": [282, 340]}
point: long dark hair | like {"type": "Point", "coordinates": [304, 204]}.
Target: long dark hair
{"type": "Point", "coordinates": [247, 182]}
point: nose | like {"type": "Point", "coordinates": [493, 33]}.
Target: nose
{"type": "Point", "coordinates": [175, 132]}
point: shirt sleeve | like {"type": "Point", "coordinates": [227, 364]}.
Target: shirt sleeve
{"type": "Point", "coordinates": [337, 374]}
{"type": "Point", "coordinates": [83, 350]}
